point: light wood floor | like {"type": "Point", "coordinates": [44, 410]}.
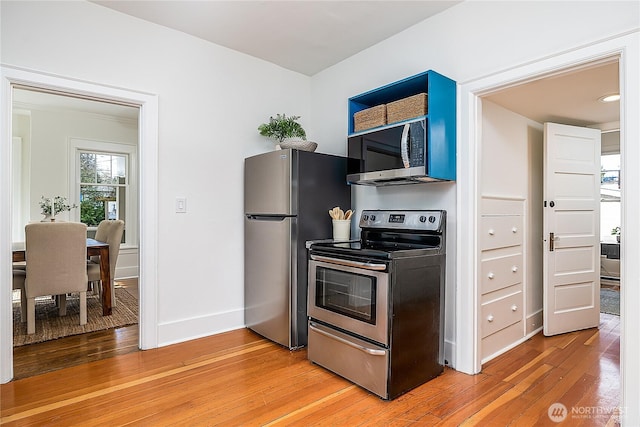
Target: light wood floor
{"type": "Point", "coordinates": [240, 379]}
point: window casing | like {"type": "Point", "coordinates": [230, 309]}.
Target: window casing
{"type": "Point", "coordinates": [104, 185]}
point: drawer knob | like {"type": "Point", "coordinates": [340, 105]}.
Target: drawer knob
{"type": "Point", "coordinates": [514, 268]}
{"type": "Point", "coordinates": [490, 318]}
{"type": "Point", "coordinates": [491, 232]}
{"type": "Point", "coordinates": [491, 275]}
{"type": "Point", "coordinates": [514, 230]}
{"type": "Point", "coordinates": [514, 307]}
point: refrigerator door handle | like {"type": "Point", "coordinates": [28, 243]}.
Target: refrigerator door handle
{"type": "Point", "coordinates": [268, 217]}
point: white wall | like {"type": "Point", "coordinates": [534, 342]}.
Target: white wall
{"type": "Point", "coordinates": [21, 128]}
{"type": "Point", "coordinates": [504, 152]}
{"type": "Point", "coordinates": [211, 101]}
{"type": "Point", "coordinates": [49, 146]}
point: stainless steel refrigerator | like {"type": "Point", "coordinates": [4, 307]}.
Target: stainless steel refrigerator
{"type": "Point", "coordinates": [287, 197]}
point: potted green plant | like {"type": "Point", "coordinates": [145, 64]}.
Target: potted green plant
{"type": "Point", "coordinates": [616, 232]}
{"type": "Point", "coordinates": [286, 132]}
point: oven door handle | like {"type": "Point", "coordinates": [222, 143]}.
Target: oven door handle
{"type": "Point", "coordinates": [350, 263]}
{"type": "Point", "coordinates": [371, 351]}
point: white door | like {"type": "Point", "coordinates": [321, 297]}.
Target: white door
{"type": "Point", "coordinates": [571, 228]}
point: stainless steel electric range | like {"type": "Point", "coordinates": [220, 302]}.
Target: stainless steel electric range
{"type": "Point", "coordinates": [376, 305]}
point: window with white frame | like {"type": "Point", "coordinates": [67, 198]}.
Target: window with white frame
{"type": "Point", "coordinates": [610, 209]}
{"type": "Point", "coordinates": [104, 184]}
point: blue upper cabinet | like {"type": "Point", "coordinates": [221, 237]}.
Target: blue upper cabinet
{"type": "Point", "coordinates": [440, 116]}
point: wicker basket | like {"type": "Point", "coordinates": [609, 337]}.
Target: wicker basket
{"type": "Point", "coordinates": [407, 108]}
{"type": "Point", "coordinates": [370, 118]}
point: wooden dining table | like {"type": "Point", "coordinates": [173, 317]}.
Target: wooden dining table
{"type": "Point", "coordinates": [94, 248]}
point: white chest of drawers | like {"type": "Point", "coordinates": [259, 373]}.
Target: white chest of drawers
{"type": "Point", "coordinates": [501, 276]}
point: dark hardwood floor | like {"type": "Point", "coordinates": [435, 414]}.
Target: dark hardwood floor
{"type": "Point", "coordinates": [240, 379]}
{"type": "Point", "coordinates": [36, 359]}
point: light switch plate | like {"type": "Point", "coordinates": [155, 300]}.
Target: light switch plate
{"type": "Point", "coordinates": [181, 204]}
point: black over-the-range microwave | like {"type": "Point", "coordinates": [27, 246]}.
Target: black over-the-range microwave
{"type": "Point", "coordinates": [396, 154]}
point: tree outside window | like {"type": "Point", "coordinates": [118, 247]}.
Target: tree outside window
{"type": "Point", "coordinates": [103, 187]}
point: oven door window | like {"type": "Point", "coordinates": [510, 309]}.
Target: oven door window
{"type": "Point", "coordinates": [349, 294]}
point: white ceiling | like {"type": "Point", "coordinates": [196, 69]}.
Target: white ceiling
{"type": "Point", "coordinates": [303, 36]}
{"type": "Point", "coordinates": [26, 99]}
{"type": "Point", "coordinates": [570, 98]}
{"type": "Point", "coordinates": [309, 36]}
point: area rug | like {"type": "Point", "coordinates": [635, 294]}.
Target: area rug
{"type": "Point", "coordinates": [50, 326]}
{"type": "Point", "coordinates": [610, 301]}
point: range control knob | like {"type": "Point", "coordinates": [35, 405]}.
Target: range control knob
{"type": "Point", "coordinates": [365, 217]}
{"type": "Point", "coordinates": [373, 217]}
{"type": "Point", "coordinates": [432, 219]}
{"type": "Point", "coordinates": [423, 218]}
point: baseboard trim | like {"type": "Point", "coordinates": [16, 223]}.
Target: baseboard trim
{"type": "Point", "coordinates": [198, 327]}
{"type": "Point", "coordinates": [450, 353]}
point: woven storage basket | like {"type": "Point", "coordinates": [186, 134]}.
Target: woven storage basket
{"type": "Point", "coordinates": [370, 118]}
{"type": "Point", "coordinates": [407, 108]}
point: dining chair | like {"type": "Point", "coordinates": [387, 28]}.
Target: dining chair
{"type": "Point", "coordinates": [56, 265]}
{"type": "Point", "coordinates": [108, 231]}
{"type": "Point", "coordinates": [19, 275]}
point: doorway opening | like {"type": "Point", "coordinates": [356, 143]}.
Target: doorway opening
{"type": "Point", "coordinates": [512, 146]}
{"type": "Point", "coordinates": [83, 151]}
{"type": "Point", "coordinates": [147, 198]}
{"type": "Point", "coordinates": [624, 48]}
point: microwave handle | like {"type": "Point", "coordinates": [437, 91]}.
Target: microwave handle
{"type": "Point", "coordinates": [404, 146]}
